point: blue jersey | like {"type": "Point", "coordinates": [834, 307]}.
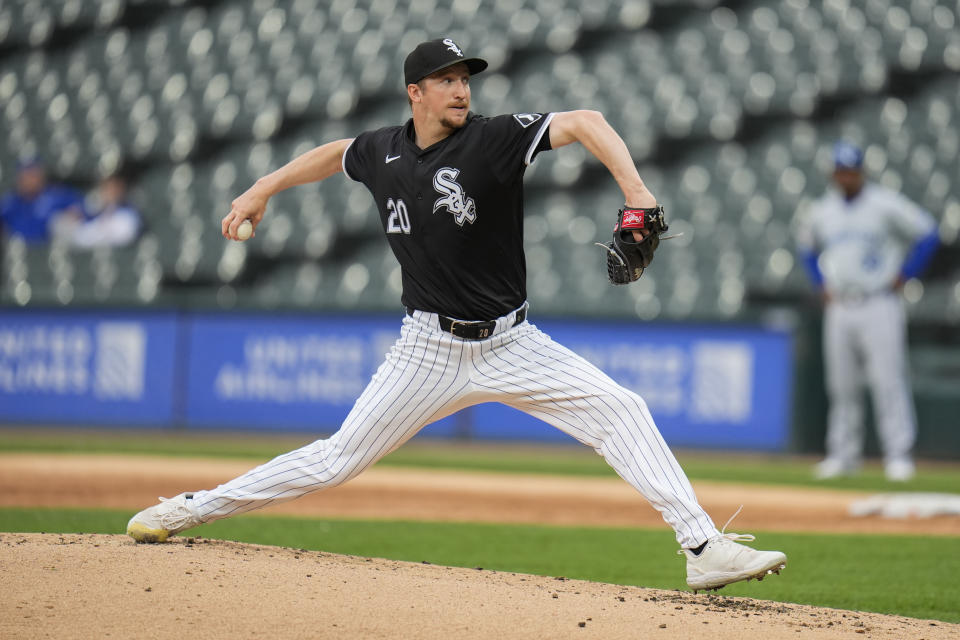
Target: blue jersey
{"type": "Point", "coordinates": [30, 219]}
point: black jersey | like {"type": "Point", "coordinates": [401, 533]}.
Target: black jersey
{"type": "Point", "coordinates": [453, 212]}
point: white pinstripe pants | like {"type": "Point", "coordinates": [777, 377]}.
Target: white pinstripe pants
{"type": "Point", "coordinates": [430, 374]}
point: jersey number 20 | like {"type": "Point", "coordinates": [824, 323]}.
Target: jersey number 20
{"type": "Point", "coordinates": [399, 220]}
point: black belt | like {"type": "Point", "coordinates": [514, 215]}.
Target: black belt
{"type": "Point", "coordinates": [473, 330]}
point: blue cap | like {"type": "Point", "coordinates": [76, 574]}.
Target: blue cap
{"type": "Point", "coordinates": [29, 162]}
{"type": "Point", "coordinates": [847, 155]}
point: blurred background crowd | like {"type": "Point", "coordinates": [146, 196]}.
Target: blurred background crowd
{"type": "Point", "coordinates": [130, 125]}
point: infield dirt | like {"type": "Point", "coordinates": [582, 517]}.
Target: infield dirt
{"type": "Point", "coordinates": [103, 586]}
{"type": "Point", "coordinates": [106, 586]}
{"type": "Point", "coordinates": [134, 482]}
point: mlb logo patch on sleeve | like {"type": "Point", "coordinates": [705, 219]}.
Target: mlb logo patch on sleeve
{"type": "Point", "coordinates": [527, 119]}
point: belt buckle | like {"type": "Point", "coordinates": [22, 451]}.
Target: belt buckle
{"type": "Point", "coordinates": [480, 333]}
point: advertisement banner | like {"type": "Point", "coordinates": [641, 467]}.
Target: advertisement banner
{"type": "Point", "coordinates": [707, 386]}
{"type": "Point", "coordinates": [87, 368]}
{"type": "Point", "coordinates": [284, 372]}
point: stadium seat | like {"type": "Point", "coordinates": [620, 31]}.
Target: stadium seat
{"type": "Point", "coordinates": [729, 110]}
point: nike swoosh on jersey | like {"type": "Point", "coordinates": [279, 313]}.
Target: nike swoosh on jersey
{"type": "Point", "coordinates": [390, 158]}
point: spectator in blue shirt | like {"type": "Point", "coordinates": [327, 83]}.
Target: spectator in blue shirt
{"type": "Point", "coordinates": [29, 211]}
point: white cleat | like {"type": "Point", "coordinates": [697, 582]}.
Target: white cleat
{"type": "Point", "coordinates": [901, 470]}
{"type": "Point", "coordinates": [723, 560]}
{"type": "Point", "coordinates": [163, 520]}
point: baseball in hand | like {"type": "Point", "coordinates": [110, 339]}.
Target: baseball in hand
{"type": "Point", "coordinates": [244, 231]}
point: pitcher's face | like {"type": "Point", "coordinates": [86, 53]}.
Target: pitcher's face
{"type": "Point", "coordinates": [445, 96]}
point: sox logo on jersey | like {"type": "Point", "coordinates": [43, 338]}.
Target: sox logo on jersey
{"type": "Point", "coordinates": [454, 199]}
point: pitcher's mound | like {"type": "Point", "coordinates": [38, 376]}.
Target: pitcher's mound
{"type": "Point", "coordinates": [104, 586]}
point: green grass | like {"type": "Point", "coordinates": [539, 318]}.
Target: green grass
{"type": "Point", "coordinates": [172, 443]}
{"type": "Point", "coordinates": [519, 458]}
{"type": "Point", "coordinates": [905, 575]}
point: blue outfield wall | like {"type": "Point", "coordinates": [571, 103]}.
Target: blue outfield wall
{"type": "Point", "coordinates": [707, 386]}
{"type": "Point", "coordinates": [719, 386]}
{"type": "Point", "coordinates": [104, 368]}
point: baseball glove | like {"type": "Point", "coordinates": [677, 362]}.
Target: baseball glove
{"type": "Point", "coordinates": [627, 258]}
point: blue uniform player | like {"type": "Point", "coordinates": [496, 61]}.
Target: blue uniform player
{"type": "Point", "coordinates": [861, 243]}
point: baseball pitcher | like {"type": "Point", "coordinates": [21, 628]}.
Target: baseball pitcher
{"type": "Point", "coordinates": [448, 186]}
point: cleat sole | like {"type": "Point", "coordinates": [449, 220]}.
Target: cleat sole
{"type": "Point", "coordinates": [758, 576]}
{"type": "Point", "coordinates": [144, 535]}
